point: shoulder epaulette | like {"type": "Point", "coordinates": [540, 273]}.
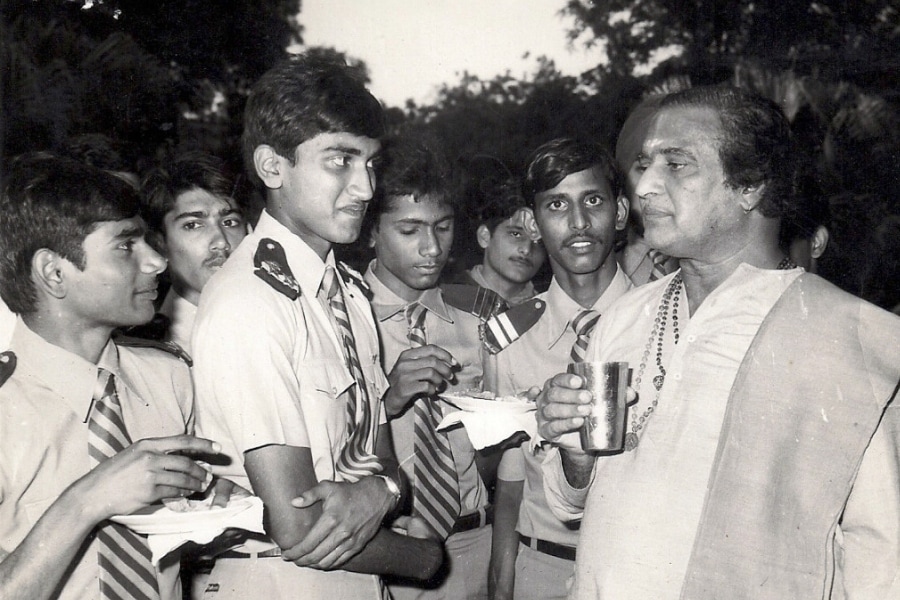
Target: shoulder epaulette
{"type": "Point", "coordinates": [474, 299]}
{"type": "Point", "coordinates": [168, 347]}
{"type": "Point", "coordinates": [502, 330]}
{"type": "Point", "coordinates": [272, 267]}
{"type": "Point", "coordinates": [7, 365]}
{"type": "Point", "coordinates": [356, 277]}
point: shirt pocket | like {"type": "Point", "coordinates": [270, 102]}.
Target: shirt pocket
{"type": "Point", "coordinates": [324, 385]}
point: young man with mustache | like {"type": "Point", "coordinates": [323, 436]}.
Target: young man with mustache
{"type": "Point", "coordinates": [196, 224]}
{"type": "Point", "coordinates": [577, 202]}
{"type": "Point", "coordinates": [511, 258]}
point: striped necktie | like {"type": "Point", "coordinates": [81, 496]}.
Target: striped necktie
{"type": "Point", "coordinates": [660, 264]}
{"type": "Point", "coordinates": [436, 489]}
{"type": "Point", "coordinates": [583, 325]}
{"type": "Point", "coordinates": [357, 458]}
{"type": "Point", "coordinates": [126, 571]}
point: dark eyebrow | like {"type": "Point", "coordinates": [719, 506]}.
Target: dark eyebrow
{"type": "Point", "coordinates": [344, 149]}
{"type": "Point", "coordinates": [678, 152]}
{"type": "Point", "coordinates": [136, 231]}
{"type": "Point", "coordinates": [201, 214]}
{"type": "Point", "coordinates": [196, 214]}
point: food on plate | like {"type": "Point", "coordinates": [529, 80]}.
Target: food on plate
{"type": "Point", "coordinates": [183, 505]}
{"type": "Point", "coordinates": [489, 395]}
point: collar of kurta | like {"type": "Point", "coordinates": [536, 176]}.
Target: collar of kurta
{"type": "Point", "coordinates": [386, 304]}
{"type": "Point", "coordinates": [66, 374]}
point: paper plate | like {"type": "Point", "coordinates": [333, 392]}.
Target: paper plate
{"type": "Point", "coordinates": [485, 406]}
{"type": "Point", "coordinates": [158, 519]}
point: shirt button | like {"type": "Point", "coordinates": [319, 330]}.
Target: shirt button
{"type": "Point", "coordinates": [692, 338]}
{"type": "Point", "coordinates": [677, 376]}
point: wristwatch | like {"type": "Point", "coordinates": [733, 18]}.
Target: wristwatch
{"type": "Point", "coordinates": [392, 487]}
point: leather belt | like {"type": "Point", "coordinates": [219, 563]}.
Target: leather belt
{"type": "Point", "coordinates": [272, 553]}
{"type": "Point", "coordinates": [551, 548]}
{"type": "Point", "coordinates": [484, 516]}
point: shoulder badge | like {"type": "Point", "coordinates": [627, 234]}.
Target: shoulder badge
{"type": "Point", "coordinates": [169, 347]}
{"type": "Point", "coordinates": [349, 273]}
{"type": "Point", "coordinates": [474, 299]}
{"type": "Point", "coordinates": [272, 267]}
{"type": "Point", "coordinates": [7, 365]}
{"type": "Point", "coordinates": [502, 330]}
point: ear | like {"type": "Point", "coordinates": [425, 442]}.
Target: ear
{"type": "Point", "coordinates": [750, 197]}
{"type": "Point", "coordinates": [268, 165]}
{"type": "Point", "coordinates": [46, 272]}
{"type": "Point", "coordinates": [483, 235]}
{"type": "Point", "coordinates": [819, 241]}
{"type": "Point", "coordinates": [622, 209]}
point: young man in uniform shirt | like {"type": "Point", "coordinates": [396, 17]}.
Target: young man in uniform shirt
{"type": "Point", "coordinates": [196, 224]}
{"type": "Point", "coordinates": [511, 258]}
{"type": "Point", "coordinates": [286, 354]}
{"type": "Point", "coordinates": [76, 267]}
{"type": "Point", "coordinates": [412, 221]}
{"type": "Point", "coordinates": [578, 205]}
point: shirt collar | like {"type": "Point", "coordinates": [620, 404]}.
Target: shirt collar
{"type": "Point", "coordinates": [386, 304]}
{"type": "Point", "coordinates": [562, 308]}
{"type": "Point", "coordinates": [66, 374]}
{"type": "Point", "coordinates": [306, 266]}
{"type": "Point", "coordinates": [477, 275]}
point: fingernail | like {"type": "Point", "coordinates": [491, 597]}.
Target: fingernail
{"type": "Point", "coordinates": [584, 409]}
{"type": "Point", "coordinates": [217, 447]}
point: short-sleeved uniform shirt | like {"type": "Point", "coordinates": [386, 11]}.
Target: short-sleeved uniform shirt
{"type": "Point", "coordinates": [270, 370]}
{"type": "Point", "coordinates": [456, 332]}
{"type": "Point", "coordinates": [542, 352]}
{"type": "Point", "coordinates": [44, 410]}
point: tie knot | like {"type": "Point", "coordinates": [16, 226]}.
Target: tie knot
{"type": "Point", "coordinates": [657, 257]}
{"type": "Point", "coordinates": [584, 323]}
{"type": "Point", "coordinates": [330, 285]}
{"type": "Point", "coordinates": [415, 319]}
{"type": "Point", "coordinates": [105, 384]}
{"type": "Point", "coordinates": [415, 315]}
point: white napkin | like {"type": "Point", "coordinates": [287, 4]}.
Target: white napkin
{"type": "Point", "coordinates": [489, 429]}
{"type": "Point", "coordinates": [249, 519]}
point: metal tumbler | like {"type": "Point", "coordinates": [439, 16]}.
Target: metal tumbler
{"type": "Point", "coordinates": [604, 429]}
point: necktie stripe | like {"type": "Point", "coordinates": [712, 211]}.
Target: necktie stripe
{"type": "Point", "coordinates": [583, 325]}
{"type": "Point", "coordinates": [131, 555]}
{"type": "Point", "coordinates": [123, 557]}
{"type": "Point", "coordinates": [356, 459]}
{"type": "Point", "coordinates": [436, 485]}
{"type": "Point", "coordinates": [117, 584]}
{"type": "Point", "coordinates": [659, 262]}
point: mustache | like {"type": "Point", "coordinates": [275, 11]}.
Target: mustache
{"type": "Point", "coordinates": [582, 238]}
{"type": "Point", "coordinates": [216, 259]}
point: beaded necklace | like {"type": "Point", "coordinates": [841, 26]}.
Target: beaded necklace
{"type": "Point", "coordinates": [670, 298]}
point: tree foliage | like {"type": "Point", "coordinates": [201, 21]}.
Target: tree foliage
{"type": "Point", "coordinates": [852, 40]}
{"type": "Point", "coordinates": [146, 73]}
